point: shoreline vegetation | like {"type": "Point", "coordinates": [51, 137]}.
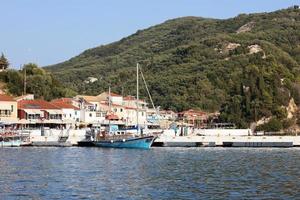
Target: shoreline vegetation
{"type": "Point", "coordinates": [246, 67]}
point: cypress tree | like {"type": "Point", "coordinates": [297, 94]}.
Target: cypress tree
{"type": "Point", "coordinates": [3, 62]}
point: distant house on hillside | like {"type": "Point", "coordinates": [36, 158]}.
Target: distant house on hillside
{"type": "Point", "coordinates": [168, 115]}
{"type": "Point", "coordinates": [199, 119]}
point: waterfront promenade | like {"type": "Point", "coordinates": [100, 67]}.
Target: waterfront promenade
{"type": "Point", "coordinates": [191, 140]}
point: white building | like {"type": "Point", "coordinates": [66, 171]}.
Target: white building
{"type": "Point", "coordinates": [8, 109]}
{"type": "Point", "coordinates": [71, 114]}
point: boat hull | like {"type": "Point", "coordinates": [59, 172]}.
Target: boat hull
{"type": "Point", "coordinates": [133, 143]}
{"type": "Point", "coordinates": [12, 143]}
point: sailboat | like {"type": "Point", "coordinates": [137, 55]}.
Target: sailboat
{"type": "Point", "coordinates": [136, 141]}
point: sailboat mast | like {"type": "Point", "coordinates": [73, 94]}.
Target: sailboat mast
{"type": "Point", "coordinates": [109, 109]}
{"type": "Point", "coordinates": [137, 97]}
{"type": "Point", "coordinates": [109, 101]}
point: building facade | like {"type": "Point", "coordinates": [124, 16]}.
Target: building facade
{"type": "Point", "coordinates": [8, 109]}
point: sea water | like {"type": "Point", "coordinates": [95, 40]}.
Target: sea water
{"type": "Point", "coordinates": [158, 173]}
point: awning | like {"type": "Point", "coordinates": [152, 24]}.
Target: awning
{"type": "Point", "coordinates": [33, 112]}
{"type": "Point", "coordinates": [24, 121]}
{"type": "Point", "coordinates": [29, 111]}
{"type": "Point", "coordinates": [54, 112]}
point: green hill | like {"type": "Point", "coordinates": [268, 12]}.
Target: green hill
{"type": "Point", "coordinates": [247, 67]}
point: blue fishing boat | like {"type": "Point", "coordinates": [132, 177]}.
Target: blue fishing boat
{"type": "Point", "coordinates": [141, 142]}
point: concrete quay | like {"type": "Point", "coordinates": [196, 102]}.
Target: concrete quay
{"type": "Point", "coordinates": [51, 138]}
{"type": "Point", "coordinates": [227, 141]}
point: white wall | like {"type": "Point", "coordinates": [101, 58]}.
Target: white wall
{"type": "Point", "coordinates": [91, 116]}
{"type": "Point", "coordinates": [223, 132]}
{"type": "Point", "coordinates": [71, 114]}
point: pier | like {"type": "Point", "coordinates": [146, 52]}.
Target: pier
{"type": "Point", "coordinates": [228, 141]}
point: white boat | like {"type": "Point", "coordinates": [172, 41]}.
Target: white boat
{"type": "Point", "coordinates": [10, 140]}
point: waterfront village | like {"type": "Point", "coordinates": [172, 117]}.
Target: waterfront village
{"type": "Point", "coordinates": [87, 111]}
{"type": "Point", "coordinates": [66, 122]}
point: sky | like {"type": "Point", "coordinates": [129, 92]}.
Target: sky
{"type": "Point", "coordinates": [51, 31]}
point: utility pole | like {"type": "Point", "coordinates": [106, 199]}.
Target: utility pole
{"type": "Point", "coordinates": [25, 81]}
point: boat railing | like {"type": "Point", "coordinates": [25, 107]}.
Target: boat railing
{"type": "Point", "coordinates": [104, 136]}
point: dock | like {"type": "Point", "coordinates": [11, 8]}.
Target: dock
{"type": "Point", "coordinates": [228, 141]}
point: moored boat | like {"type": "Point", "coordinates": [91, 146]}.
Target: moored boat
{"type": "Point", "coordinates": [10, 140]}
{"type": "Point", "coordinates": [140, 142]}
{"type": "Point", "coordinates": [137, 140]}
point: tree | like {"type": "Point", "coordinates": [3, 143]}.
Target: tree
{"type": "Point", "coordinates": [3, 62]}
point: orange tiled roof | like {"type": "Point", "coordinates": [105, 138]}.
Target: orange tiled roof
{"type": "Point", "coordinates": [193, 112]}
{"type": "Point", "coordinates": [112, 117]}
{"type": "Point", "coordinates": [115, 95]}
{"type": "Point", "coordinates": [65, 105]}
{"type": "Point", "coordinates": [62, 100]}
{"type": "Point", "coordinates": [36, 104]}
{"type": "Point", "coordinates": [4, 97]}
{"type": "Point", "coordinates": [89, 98]}
{"type": "Point", "coordinates": [131, 98]}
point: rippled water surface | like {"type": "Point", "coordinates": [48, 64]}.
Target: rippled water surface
{"type": "Point", "coordinates": [160, 173]}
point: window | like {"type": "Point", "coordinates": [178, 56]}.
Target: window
{"type": "Point", "coordinates": [90, 115]}
{"type": "Point", "coordinates": [75, 112]}
{"type": "Point", "coordinates": [12, 108]}
{"type": "Point", "coordinates": [115, 110]}
{"type": "Point", "coordinates": [121, 110]}
{"type": "Point", "coordinates": [70, 115]}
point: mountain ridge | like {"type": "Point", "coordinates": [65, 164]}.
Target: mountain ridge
{"type": "Point", "coordinates": [187, 64]}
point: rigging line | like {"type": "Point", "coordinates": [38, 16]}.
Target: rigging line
{"type": "Point", "coordinates": [147, 88]}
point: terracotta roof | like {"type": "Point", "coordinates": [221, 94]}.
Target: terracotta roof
{"type": "Point", "coordinates": [89, 98]}
{"type": "Point", "coordinates": [4, 97]}
{"type": "Point", "coordinates": [132, 98]}
{"type": "Point", "coordinates": [65, 105]}
{"type": "Point", "coordinates": [193, 112]}
{"type": "Point", "coordinates": [129, 98]}
{"type": "Point", "coordinates": [111, 94]}
{"type": "Point", "coordinates": [62, 100]}
{"type": "Point", "coordinates": [36, 104]}
{"type": "Point", "coordinates": [115, 95]}
{"type": "Point", "coordinates": [166, 111]}
{"type": "Point", "coordinates": [112, 117]}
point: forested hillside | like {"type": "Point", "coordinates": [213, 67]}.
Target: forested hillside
{"type": "Point", "coordinates": [38, 82]}
{"type": "Point", "coordinates": [248, 67]}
